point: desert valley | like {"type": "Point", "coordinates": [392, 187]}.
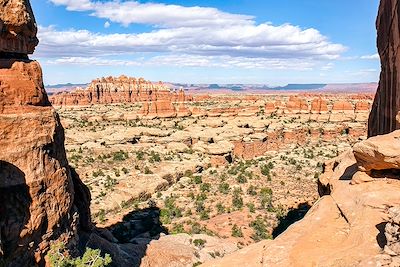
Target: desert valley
{"type": "Point", "coordinates": [125, 171]}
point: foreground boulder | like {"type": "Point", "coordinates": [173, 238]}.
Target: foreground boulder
{"type": "Point", "coordinates": [379, 153]}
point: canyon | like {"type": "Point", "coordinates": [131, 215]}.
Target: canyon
{"type": "Point", "coordinates": [157, 177]}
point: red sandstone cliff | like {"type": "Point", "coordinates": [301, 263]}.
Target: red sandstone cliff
{"type": "Point", "coordinates": [383, 117]}
{"type": "Point", "coordinates": [42, 198]}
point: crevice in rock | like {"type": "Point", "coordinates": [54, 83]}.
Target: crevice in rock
{"type": "Point", "coordinates": [292, 216]}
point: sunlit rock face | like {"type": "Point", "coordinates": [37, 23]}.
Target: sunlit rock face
{"type": "Point", "coordinates": [42, 198]}
{"type": "Point", "coordinates": [17, 28]}
{"type": "Point", "coordinates": [384, 115]}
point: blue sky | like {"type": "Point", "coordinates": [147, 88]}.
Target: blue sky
{"type": "Point", "coordinates": [209, 41]}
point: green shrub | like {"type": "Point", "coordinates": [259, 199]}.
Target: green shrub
{"type": "Point", "coordinates": [120, 155]}
{"type": "Point", "coordinates": [241, 179]}
{"type": "Point", "coordinates": [220, 208]}
{"type": "Point", "coordinates": [147, 170]}
{"type": "Point", "coordinates": [206, 187]}
{"type": "Point", "coordinates": [237, 200]}
{"type": "Point", "coordinates": [251, 190]}
{"type": "Point", "coordinates": [59, 257]}
{"type": "Point", "coordinates": [140, 155]}
{"type": "Point", "coordinates": [154, 157]}
{"type": "Point", "coordinates": [199, 243]}
{"type": "Point", "coordinates": [197, 179]}
{"type": "Point", "coordinates": [223, 188]}
{"type": "Point", "coordinates": [260, 229]}
{"type": "Point", "coordinates": [98, 173]}
{"type": "Point", "coordinates": [236, 231]}
{"type": "Point", "coordinates": [266, 198]}
{"type": "Point", "coordinates": [251, 207]}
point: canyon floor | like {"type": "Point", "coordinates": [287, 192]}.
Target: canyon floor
{"type": "Point", "coordinates": [240, 178]}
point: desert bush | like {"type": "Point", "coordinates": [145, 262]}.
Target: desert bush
{"type": "Point", "coordinates": [237, 200]}
{"type": "Point", "coordinates": [199, 243]}
{"type": "Point", "coordinates": [154, 157]}
{"type": "Point", "coordinates": [206, 187]}
{"type": "Point", "coordinates": [197, 179]}
{"type": "Point", "coordinates": [251, 190]}
{"type": "Point", "coordinates": [266, 198]}
{"type": "Point", "coordinates": [147, 170]}
{"type": "Point", "coordinates": [120, 155]}
{"type": "Point", "coordinates": [98, 173]}
{"type": "Point", "coordinates": [236, 231]}
{"type": "Point", "coordinates": [220, 208]}
{"type": "Point", "coordinates": [59, 257]}
{"type": "Point", "coordinates": [139, 155]}
{"type": "Point", "coordinates": [260, 229]}
{"type": "Point", "coordinates": [224, 188]}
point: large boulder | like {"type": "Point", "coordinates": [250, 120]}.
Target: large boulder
{"type": "Point", "coordinates": [379, 153]}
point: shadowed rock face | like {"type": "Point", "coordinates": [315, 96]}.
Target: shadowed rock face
{"type": "Point", "coordinates": [42, 200]}
{"type": "Point", "coordinates": [17, 28]}
{"type": "Point", "coordinates": [386, 105]}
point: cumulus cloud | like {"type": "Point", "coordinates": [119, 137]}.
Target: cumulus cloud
{"type": "Point", "coordinates": [371, 57]}
{"type": "Point", "coordinates": [129, 12]}
{"type": "Point", "coordinates": [107, 24]}
{"type": "Point", "coordinates": [202, 34]}
{"type": "Point", "coordinates": [189, 61]}
{"type": "Point", "coordinates": [265, 41]}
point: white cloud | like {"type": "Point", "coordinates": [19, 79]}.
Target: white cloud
{"type": "Point", "coordinates": [370, 57]}
{"type": "Point", "coordinates": [263, 41]}
{"type": "Point", "coordinates": [129, 12]}
{"type": "Point", "coordinates": [107, 24]}
{"type": "Point", "coordinates": [75, 5]}
{"type": "Point", "coordinates": [189, 61]}
{"type": "Point", "coordinates": [202, 34]}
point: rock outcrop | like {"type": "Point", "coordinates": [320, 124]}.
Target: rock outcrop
{"type": "Point", "coordinates": [42, 198]}
{"type": "Point", "coordinates": [384, 115]}
{"type": "Point", "coordinates": [17, 29]}
{"type": "Point", "coordinates": [157, 99]}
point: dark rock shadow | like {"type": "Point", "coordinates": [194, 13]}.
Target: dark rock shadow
{"type": "Point", "coordinates": [293, 216]}
{"type": "Point", "coordinates": [388, 173]}
{"type": "Point", "coordinates": [127, 241]}
{"type": "Point", "coordinates": [15, 201]}
{"type": "Point", "coordinates": [380, 238]}
{"type": "Point", "coordinates": [143, 224]}
{"type": "Point", "coordinates": [349, 172]}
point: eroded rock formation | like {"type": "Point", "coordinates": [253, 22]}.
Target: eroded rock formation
{"type": "Point", "coordinates": [157, 99]}
{"type": "Point", "coordinates": [42, 198]}
{"type": "Point", "coordinates": [384, 115]}
{"type": "Point", "coordinates": [17, 29]}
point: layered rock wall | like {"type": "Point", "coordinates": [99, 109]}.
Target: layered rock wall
{"type": "Point", "coordinates": [384, 115]}
{"type": "Point", "coordinates": [42, 199]}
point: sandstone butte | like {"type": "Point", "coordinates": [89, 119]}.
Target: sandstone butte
{"type": "Point", "coordinates": [43, 200]}
{"type": "Point", "coordinates": [157, 99]}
